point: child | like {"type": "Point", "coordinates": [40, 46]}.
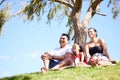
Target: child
{"type": "Point", "coordinates": [77, 54]}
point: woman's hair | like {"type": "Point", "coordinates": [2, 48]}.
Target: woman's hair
{"type": "Point", "coordinates": [93, 29]}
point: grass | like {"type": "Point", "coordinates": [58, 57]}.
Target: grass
{"type": "Point", "coordinates": [78, 73]}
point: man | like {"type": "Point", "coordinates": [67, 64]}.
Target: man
{"type": "Point", "coordinates": [51, 59]}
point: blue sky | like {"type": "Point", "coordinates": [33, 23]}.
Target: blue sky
{"type": "Point", "coordinates": [21, 44]}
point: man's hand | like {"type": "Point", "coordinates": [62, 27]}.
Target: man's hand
{"type": "Point", "coordinates": [46, 56]}
{"type": "Point", "coordinates": [68, 55]}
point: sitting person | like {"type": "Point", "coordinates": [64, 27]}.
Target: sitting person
{"type": "Point", "coordinates": [51, 59]}
{"type": "Point", "coordinates": [72, 59]}
{"type": "Point", "coordinates": [96, 52]}
{"type": "Point", "coordinates": [77, 54]}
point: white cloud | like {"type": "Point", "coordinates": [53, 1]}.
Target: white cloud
{"type": "Point", "coordinates": [33, 55]}
{"type": "Point", "coordinates": [5, 57]}
{"type": "Point", "coordinates": [4, 74]}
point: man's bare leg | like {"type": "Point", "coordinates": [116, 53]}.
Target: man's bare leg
{"type": "Point", "coordinates": [46, 61]}
{"type": "Point", "coordinates": [46, 65]}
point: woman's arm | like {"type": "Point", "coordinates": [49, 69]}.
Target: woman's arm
{"type": "Point", "coordinates": [82, 56]}
{"type": "Point", "coordinates": [86, 53]}
{"type": "Point", "coordinates": [102, 42]}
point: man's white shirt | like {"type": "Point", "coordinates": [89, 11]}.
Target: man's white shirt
{"type": "Point", "coordinates": [60, 51]}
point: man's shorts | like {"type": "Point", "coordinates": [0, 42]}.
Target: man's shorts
{"type": "Point", "coordinates": [53, 63]}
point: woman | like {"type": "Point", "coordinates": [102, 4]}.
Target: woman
{"type": "Point", "coordinates": [95, 50]}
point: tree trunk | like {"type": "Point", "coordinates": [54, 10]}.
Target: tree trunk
{"type": "Point", "coordinates": [79, 30]}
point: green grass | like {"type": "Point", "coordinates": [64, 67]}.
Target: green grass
{"type": "Point", "coordinates": [78, 73]}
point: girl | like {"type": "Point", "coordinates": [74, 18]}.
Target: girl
{"type": "Point", "coordinates": [77, 54]}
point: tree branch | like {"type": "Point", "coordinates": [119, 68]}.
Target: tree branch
{"type": "Point", "coordinates": [2, 2]}
{"type": "Point", "coordinates": [73, 2]}
{"type": "Point", "coordinates": [66, 11]}
{"type": "Point", "coordinates": [109, 3]}
{"type": "Point", "coordinates": [94, 6]}
{"type": "Point", "coordinates": [78, 5]}
{"type": "Point", "coordinates": [90, 13]}
{"type": "Point", "coordinates": [64, 2]}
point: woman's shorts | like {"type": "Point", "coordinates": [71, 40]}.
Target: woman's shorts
{"type": "Point", "coordinates": [100, 56]}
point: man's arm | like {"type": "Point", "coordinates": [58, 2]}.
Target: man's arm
{"type": "Point", "coordinates": [67, 55]}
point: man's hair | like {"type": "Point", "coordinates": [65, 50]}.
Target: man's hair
{"type": "Point", "coordinates": [64, 34]}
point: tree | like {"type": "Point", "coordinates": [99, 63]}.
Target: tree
{"type": "Point", "coordinates": [72, 9]}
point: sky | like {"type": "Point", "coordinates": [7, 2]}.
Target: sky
{"type": "Point", "coordinates": [22, 43]}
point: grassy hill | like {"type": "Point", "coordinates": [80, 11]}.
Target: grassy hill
{"type": "Point", "coordinates": [78, 73]}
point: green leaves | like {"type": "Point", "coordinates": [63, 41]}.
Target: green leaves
{"type": "Point", "coordinates": [2, 19]}
{"type": "Point", "coordinates": [4, 16]}
{"type": "Point", "coordinates": [53, 11]}
{"type": "Point", "coordinates": [34, 8]}
{"type": "Point", "coordinates": [115, 8]}
{"type": "Point", "coordinates": [70, 31]}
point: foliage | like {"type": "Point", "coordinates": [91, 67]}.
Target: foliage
{"type": "Point", "coordinates": [54, 9]}
{"type": "Point", "coordinates": [116, 7]}
{"type": "Point", "coordinates": [69, 24]}
{"type": "Point", "coordinates": [35, 7]}
{"type": "Point", "coordinates": [2, 19]}
{"type": "Point", "coordinates": [4, 16]}
{"type": "Point", "coordinates": [78, 73]}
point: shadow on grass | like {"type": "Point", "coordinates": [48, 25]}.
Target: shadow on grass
{"type": "Point", "coordinates": [16, 78]}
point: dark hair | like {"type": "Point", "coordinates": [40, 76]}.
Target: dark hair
{"type": "Point", "coordinates": [81, 49]}
{"type": "Point", "coordinates": [93, 29]}
{"type": "Point", "coordinates": [66, 36]}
